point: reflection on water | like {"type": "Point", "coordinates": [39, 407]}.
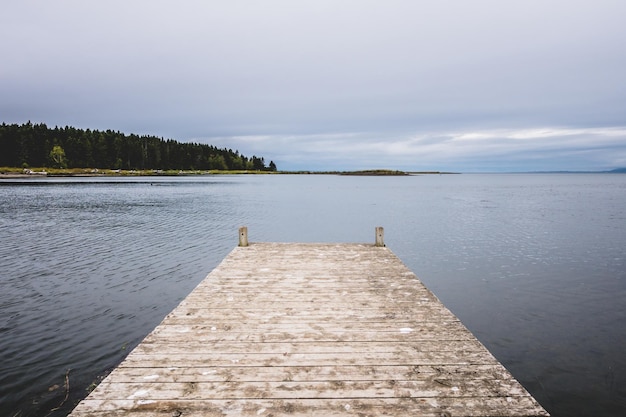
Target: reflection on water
{"type": "Point", "coordinates": [532, 264]}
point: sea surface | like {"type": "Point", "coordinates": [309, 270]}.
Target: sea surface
{"type": "Point", "coordinates": [533, 264]}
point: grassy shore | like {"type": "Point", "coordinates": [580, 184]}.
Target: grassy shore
{"type": "Point", "coordinates": [12, 172]}
{"type": "Point", "coordinates": [96, 172]}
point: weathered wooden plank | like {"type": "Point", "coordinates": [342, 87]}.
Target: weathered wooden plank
{"type": "Point", "coordinates": [207, 335]}
{"type": "Point", "coordinates": [310, 329]}
{"type": "Point", "coordinates": [379, 372]}
{"type": "Point", "coordinates": [428, 407]}
{"type": "Point", "coordinates": [402, 328]}
{"type": "Point", "coordinates": [233, 390]}
{"type": "Point", "coordinates": [424, 313]}
{"type": "Point", "coordinates": [236, 322]}
{"type": "Point", "coordinates": [186, 346]}
{"type": "Point", "coordinates": [234, 301]}
{"type": "Point", "coordinates": [165, 359]}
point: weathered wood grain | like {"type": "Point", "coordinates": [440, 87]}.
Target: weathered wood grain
{"type": "Point", "coordinates": [377, 372]}
{"type": "Point", "coordinates": [362, 407]}
{"type": "Point", "coordinates": [310, 329]}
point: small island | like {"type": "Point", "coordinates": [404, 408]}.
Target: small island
{"type": "Point", "coordinates": [376, 172]}
{"type": "Point", "coordinates": [390, 172]}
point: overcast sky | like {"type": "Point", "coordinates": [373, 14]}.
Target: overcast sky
{"type": "Point", "coordinates": [485, 85]}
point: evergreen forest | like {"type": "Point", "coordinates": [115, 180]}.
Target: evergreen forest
{"type": "Point", "coordinates": [37, 145]}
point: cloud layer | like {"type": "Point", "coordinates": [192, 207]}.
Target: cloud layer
{"type": "Point", "coordinates": [467, 86]}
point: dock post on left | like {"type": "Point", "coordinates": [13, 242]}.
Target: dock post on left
{"type": "Point", "coordinates": [243, 236]}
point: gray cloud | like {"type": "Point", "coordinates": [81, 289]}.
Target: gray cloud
{"type": "Point", "coordinates": [326, 84]}
{"type": "Point", "coordinates": [472, 151]}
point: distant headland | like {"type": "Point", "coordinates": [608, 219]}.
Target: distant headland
{"type": "Point", "coordinates": [15, 172]}
{"type": "Point", "coordinates": [36, 145]}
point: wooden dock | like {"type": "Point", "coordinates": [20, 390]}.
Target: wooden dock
{"type": "Point", "coordinates": [310, 329]}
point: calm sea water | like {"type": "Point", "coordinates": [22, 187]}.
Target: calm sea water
{"type": "Point", "coordinates": [533, 264]}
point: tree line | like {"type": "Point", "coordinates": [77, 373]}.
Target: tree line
{"type": "Point", "coordinates": [37, 145]}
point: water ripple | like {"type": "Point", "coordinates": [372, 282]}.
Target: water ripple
{"type": "Point", "coordinates": [529, 263]}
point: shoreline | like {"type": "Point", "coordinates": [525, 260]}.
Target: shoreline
{"type": "Point", "coordinates": [17, 173]}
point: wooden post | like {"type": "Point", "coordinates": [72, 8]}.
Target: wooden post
{"type": "Point", "coordinates": [243, 236]}
{"type": "Point", "coordinates": [380, 236]}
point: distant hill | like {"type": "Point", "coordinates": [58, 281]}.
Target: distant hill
{"type": "Point", "coordinates": [618, 171]}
